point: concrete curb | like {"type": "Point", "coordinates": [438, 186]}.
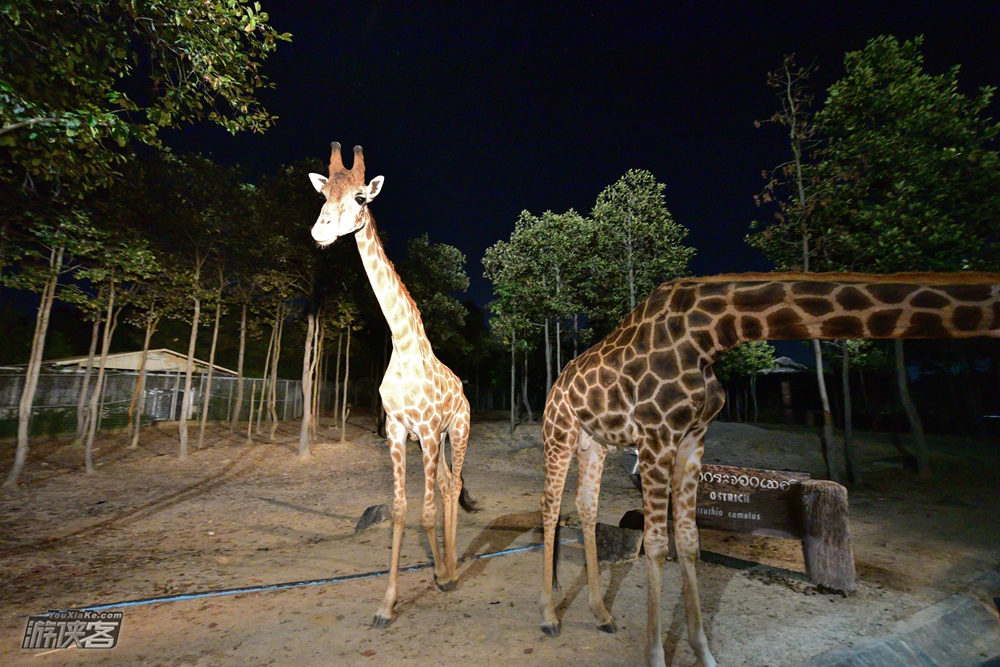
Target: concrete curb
{"type": "Point", "coordinates": [961, 631]}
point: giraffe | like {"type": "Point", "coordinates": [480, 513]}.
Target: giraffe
{"type": "Point", "coordinates": [423, 398]}
{"type": "Point", "coordinates": [649, 383]}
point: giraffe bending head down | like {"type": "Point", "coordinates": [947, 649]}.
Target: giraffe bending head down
{"type": "Point", "coordinates": [649, 383]}
{"type": "Point", "coordinates": [423, 399]}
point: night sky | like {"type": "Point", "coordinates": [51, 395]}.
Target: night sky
{"type": "Point", "coordinates": [475, 114]}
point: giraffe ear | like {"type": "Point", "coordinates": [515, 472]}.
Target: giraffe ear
{"type": "Point", "coordinates": [318, 181]}
{"type": "Point", "coordinates": [375, 186]}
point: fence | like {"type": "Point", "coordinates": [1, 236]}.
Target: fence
{"type": "Point", "coordinates": [54, 409]}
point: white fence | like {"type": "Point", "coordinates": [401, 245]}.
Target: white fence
{"type": "Point", "coordinates": [56, 399]}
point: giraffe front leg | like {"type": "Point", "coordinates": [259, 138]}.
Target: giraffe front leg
{"type": "Point", "coordinates": [397, 448]}
{"type": "Point", "coordinates": [590, 459]}
{"type": "Point", "coordinates": [685, 489]}
{"type": "Point", "coordinates": [655, 496]}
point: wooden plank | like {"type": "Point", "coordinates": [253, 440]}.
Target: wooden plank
{"type": "Point", "coordinates": [826, 545]}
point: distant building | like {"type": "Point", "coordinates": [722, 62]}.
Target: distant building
{"type": "Point", "coordinates": [157, 361]}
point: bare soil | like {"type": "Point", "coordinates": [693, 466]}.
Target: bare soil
{"type": "Point", "coordinates": [234, 515]}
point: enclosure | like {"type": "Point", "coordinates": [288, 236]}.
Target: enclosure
{"type": "Point", "coordinates": [146, 525]}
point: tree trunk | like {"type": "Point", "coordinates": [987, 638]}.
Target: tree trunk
{"type": "Point", "coordinates": [916, 426]}
{"type": "Point", "coordinates": [318, 368]}
{"type": "Point", "coordinates": [34, 367]}
{"type": "Point", "coordinates": [81, 401]}
{"type": "Point", "coordinates": [140, 385]}
{"type": "Point", "coordinates": [853, 460]}
{"type": "Point", "coordinates": [513, 385]}
{"type": "Point", "coordinates": [308, 368]}
{"type": "Point", "coordinates": [336, 379]}
{"type": "Point", "coordinates": [347, 375]}
{"type": "Point", "coordinates": [272, 397]}
{"type": "Point", "coordinates": [864, 396]}
{"type": "Point", "coordinates": [264, 380]}
{"type": "Point", "coordinates": [559, 364]}
{"type": "Point", "coordinates": [239, 371]}
{"type": "Point", "coordinates": [253, 393]}
{"type": "Point", "coordinates": [753, 396]}
{"type": "Point", "coordinates": [834, 467]}
{"type": "Point", "coordinates": [524, 390]}
{"type": "Point", "coordinates": [576, 335]}
{"type": "Point", "coordinates": [207, 393]}
{"type": "Point", "coordinates": [548, 359]}
{"type": "Point", "coordinates": [631, 269]}
{"type": "Point", "coordinates": [189, 366]}
{"type": "Point", "coordinates": [109, 330]}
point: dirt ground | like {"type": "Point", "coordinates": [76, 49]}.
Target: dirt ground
{"type": "Point", "coordinates": [233, 515]}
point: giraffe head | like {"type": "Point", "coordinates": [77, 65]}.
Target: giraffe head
{"type": "Point", "coordinates": [347, 197]}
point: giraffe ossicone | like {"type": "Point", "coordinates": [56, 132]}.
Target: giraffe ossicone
{"type": "Point", "coordinates": [423, 398]}
{"type": "Point", "coordinates": [650, 383]}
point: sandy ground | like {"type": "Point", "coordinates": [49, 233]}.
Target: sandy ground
{"type": "Point", "coordinates": [235, 515]}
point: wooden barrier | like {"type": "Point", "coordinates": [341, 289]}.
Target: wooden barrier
{"type": "Point", "coordinates": [779, 504]}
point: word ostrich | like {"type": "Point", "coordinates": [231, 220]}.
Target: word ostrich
{"type": "Point", "coordinates": [423, 399]}
{"type": "Point", "coordinates": [650, 383]}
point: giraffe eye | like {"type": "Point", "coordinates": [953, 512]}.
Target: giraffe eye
{"type": "Point", "coordinates": [360, 199]}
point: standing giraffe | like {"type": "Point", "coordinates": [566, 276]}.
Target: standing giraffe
{"type": "Point", "coordinates": [649, 383]}
{"type": "Point", "coordinates": [423, 399]}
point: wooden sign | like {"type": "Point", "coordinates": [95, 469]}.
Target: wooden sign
{"type": "Point", "coordinates": [743, 500]}
{"type": "Point", "coordinates": [751, 501]}
{"type": "Point", "coordinates": [774, 504]}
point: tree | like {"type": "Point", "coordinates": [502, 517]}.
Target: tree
{"type": "Point", "coordinates": [909, 175]}
{"type": "Point", "coordinates": [50, 250]}
{"type": "Point", "coordinates": [638, 245]}
{"type": "Point", "coordinates": [746, 360]}
{"type": "Point", "coordinates": [81, 79]}
{"type": "Point", "coordinates": [433, 273]}
{"type": "Point", "coordinates": [909, 179]}
{"type": "Point", "coordinates": [120, 260]}
{"type": "Point", "coordinates": [794, 239]}
{"type": "Point", "coordinates": [510, 266]}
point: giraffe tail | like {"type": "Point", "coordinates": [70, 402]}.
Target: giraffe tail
{"type": "Point", "coordinates": [466, 501]}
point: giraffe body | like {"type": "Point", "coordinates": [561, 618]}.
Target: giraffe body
{"type": "Point", "coordinates": [423, 398]}
{"type": "Point", "coordinates": [649, 383]}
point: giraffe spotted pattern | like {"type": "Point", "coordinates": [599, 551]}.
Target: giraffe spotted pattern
{"type": "Point", "coordinates": [423, 398]}
{"type": "Point", "coordinates": [650, 384]}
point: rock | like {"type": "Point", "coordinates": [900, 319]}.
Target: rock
{"type": "Point", "coordinates": [633, 519]}
{"type": "Point", "coordinates": [617, 545]}
{"type": "Point", "coordinates": [374, 515]}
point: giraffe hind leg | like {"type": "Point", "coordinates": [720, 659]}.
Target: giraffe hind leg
{"type": "Point", "coordinates": [458, 437]}
{"type": "Point", "coordinates": [431, 446]}
{"type": "Point", "coordinates": [446, 579]}
{"type": "Point", "coordinates": [558, 453]}
{"type": "Point", "coordinates": [590, 459]}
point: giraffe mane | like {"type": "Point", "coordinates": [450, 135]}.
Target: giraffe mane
{"type": "Point", "coordinates": [928, 278]}
{"type": "Point", "coordinates": [402, 285]}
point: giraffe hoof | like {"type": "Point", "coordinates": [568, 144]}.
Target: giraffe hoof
{"type": "Point", "coordinates": [610, 627]}
{"type": "Point", "coordinates": [448, 585]}
{"type": "Point", "coordinates": [551, 629]}
{"type": "Point", "coordinates": [381, 622]}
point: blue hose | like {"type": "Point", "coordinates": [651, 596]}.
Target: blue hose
{"type": "Point", "coordinates": [295, 584]}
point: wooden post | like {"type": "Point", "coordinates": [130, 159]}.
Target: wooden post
{"type": "Point", "coordinates": [826, 545]}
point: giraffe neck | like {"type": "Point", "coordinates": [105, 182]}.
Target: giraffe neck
{"type": "Point", "coordinates": [400, 312]}
{"type": "Point", "coordinates": [720, 314]}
